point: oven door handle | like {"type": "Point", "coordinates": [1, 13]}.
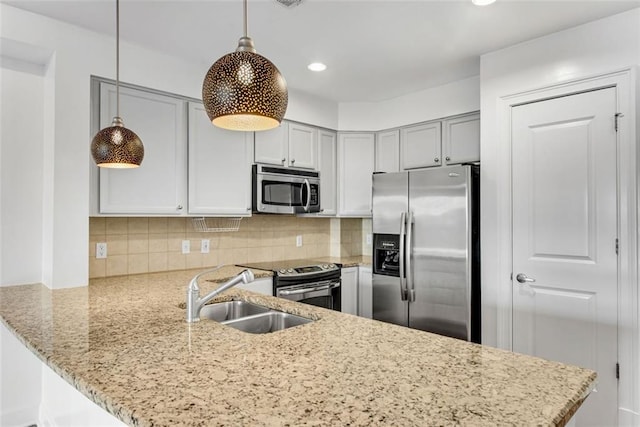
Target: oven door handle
{"type": "Point", "coordinates": [306, 290]}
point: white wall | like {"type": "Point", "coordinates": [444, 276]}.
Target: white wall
{"type": "Point", "coordinates": [447, 100]}
{"type": "Point", "coordinates": [600, 47]}
{"type": "Point", "coordinates": [21, 172]}
{"type": "Point", "coordinates": [76, 55]}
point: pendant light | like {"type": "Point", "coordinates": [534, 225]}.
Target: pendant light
{"type": "Point", "coordinates": [116, 146]}
{"type": "Point", "coordinates": [244, 90]}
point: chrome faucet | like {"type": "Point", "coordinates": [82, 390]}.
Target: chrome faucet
{"type": "Point", "coordinates": [195, 303]}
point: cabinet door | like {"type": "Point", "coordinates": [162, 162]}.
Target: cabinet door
{"type": "Point", "coordinates": [271, 145]}
{"type": "Point", "coordinates": [349, 294]}
{"type": "Point", "coordinates": [260, 286]}
{"type": "Point", "coordinates": [302, 146]}
{"type": "Point", "coordinates": [420, 146]}
{"type": "Point", "coordinates": [355, 167]}
{"type": "Point", "coordinates": [365, 292]}
{"type": "Point", "coordinates": [219, 167]}
{"type": "Point", "coordinates": [159, 185]}
{"type": "Point", "coordinates": [388, 151]}
{"type": "Point", "coordinates": [461, 139]}
{"type": "Point", "coordinates": [328, 167]}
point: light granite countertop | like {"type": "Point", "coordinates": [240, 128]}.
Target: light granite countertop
{"type": "Point", "coordinates": [123, 342]}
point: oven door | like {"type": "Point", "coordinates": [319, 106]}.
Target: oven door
{"type": "Point", "coordinates": [324, 294]}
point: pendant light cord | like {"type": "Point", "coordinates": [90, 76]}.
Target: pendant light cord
{"type": "Point", "coordinates": [245, 18]}
{"type": "Point", "coordinates": [118, 58]}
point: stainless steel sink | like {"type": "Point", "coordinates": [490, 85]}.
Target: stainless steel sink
{"type": "Point", "coordinates": [231, 310]}
{"type": "Point", "coordinates": [267, 322]}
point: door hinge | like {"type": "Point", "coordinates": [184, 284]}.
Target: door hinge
{"type": "Point", "coordinates": [617, 371]}
{"type": "Point", "coordinates": [617, 246]}
{"type": "Point", "coordinates": [617, 117]}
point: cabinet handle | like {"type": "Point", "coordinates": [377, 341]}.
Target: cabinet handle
{"type": "Point", "coordinates": [284, 160]}
{"type": "Point", "coordinates": [437, 160]}
{"type": "Point", "coordinates": [293, 161]}
{"type": "Point", "coordinates": [447, 158]}
{"type": "Point", "coordinates": [179, 207]}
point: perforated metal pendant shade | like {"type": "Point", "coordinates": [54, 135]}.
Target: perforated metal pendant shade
{"type": "Point", "coordinates": [244, 90]}
{"type": "Point", "coordinates": [117, 147]}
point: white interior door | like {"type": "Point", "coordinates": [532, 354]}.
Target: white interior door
{"type": "Point", "coordinates": [564, 238]}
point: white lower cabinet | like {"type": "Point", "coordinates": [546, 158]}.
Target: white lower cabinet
{"type": "Point", "coordinates": [365, 292]}
{"type": "Point", "coordinates": [349, 294]}
{"type": "Point", "coordinates": [261, 286]}
{"type": "Point", "coordinates": [219, 167]}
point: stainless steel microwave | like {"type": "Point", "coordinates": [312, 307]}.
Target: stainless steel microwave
{"type": "Point", "coordinates": [285, 190]}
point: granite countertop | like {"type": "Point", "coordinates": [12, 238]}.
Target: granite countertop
{"type": "Point", "coordinates": [123, 342]}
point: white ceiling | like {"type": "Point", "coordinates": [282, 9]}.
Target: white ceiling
{"type": "Point", "coordinates": [374, 49]}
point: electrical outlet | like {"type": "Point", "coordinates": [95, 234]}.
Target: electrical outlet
{"type": "Point", "coordinates": [101, 250]}
{"type": "Point", "coordinates": [186, 246]}
{"type": "Point", "coordinates": [204, 246]}
{"type": "Point", "coordinates": [298, 241]}
{"type": "Point", "coordinates": [368, 238]}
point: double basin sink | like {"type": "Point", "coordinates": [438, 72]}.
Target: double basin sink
{"type": "Point", "coordinates": [251, 318]}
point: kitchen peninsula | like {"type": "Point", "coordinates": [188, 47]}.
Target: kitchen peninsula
{"type": "Point", "coordinates": [123, 342]}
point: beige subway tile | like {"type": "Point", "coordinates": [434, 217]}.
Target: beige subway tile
{"type": "Point", "coordinates": [117, 244]}
{"type": "Point", "coordinates": [97, 267]}
{"type": "Point", "coordinates": [138, 244]}
{"type": "Point", "coordinates": [239, 239]}
{"type": "Point", "coordinates": [265, 239]}
{"type": "Point", "coordinates": [176, 261]}
{"type": "Point", "coordinates": [276, 253]}
{"type": "Point", "coordinates": [174, 242]}
{"type": "Point", "coordinates": [137, 225]}
{"type": "Point", "coordinates": [176, 225]}
{"type": "Point", "coordinates": [157, 225]}
{"type": "Point", "coordinates": [97, 226]}
{"type": "Point", "coordinates": [117, 265]}
{"type": "Point", "coordinates": [138, 263]}
{"type": "Point", "coordinates": [116, 226]}
{"type": "Point", "coordinates": [194, 259]}
{"type": "Point", "coordinates": [158, 242]}
{"type": "Point", "coordinates": [293, 252]}
{"type": "Point", "coordinates": [258, 254]}
{"type": "Point", "coordinates": [158, 261]}
{"type": "Point", "coordinates": [226, 242]}
{"type": "Point", "coordinates": [210, 259]}
{"type": "Point", "coordinates": [233, 256]}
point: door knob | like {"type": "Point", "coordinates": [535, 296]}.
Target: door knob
{"type": "Point", "coordinates": [522, 278]}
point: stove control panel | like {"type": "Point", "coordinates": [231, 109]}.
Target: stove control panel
{"type": "Point", "coordinates": [307, 270]}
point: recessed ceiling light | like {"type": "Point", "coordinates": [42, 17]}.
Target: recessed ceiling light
{"type": "Point", "coordinates": [317, 66]}
{"type": "Point", "coordinates": [482, 2]}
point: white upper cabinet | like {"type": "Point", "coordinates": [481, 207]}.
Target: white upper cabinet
{"type": "Point", "coordinates": [388, 151]}
{"type": "Point", "coordinates": [272, 146]}
{"type": "Point", "coordinates": [420, 146]}
{"type": "Point", "coordinates": [355, 166]}
{"type": "Point", "coordinates": [290, 145]}
{"type": "Point", "coordinates": [302, 146]}
{"type": "Point", "coordinates": [461, 139]}
{"type": "Point", "coordinates": [328, 167]}
{"type": "Point", "coordinates": [158, 186]}
{"type": "Point", "coordinates": [219, 167]}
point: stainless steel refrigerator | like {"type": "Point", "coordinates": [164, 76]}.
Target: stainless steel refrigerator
{"type": "Point", "coordinates": [426, 255]}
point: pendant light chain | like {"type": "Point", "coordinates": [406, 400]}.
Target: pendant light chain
{"type": "Point", "coordinates": [117, 58]}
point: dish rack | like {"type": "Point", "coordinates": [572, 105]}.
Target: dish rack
{"type": "Point", "coordinates": [216, 225]}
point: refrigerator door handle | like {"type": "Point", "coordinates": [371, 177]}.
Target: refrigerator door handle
{"type": "Point", "coordinates": [403, 278]}
{"type": "Point", "coordinates": [411, 294]}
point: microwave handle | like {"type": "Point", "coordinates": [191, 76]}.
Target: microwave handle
{"type": "Point", "coordinates": [306, 206]}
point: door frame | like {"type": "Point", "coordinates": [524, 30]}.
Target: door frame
{"type": "Point", "coordinates": [627, 179]}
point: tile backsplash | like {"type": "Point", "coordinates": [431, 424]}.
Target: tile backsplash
{"type": "Point", "coordinates": [140, 245]}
